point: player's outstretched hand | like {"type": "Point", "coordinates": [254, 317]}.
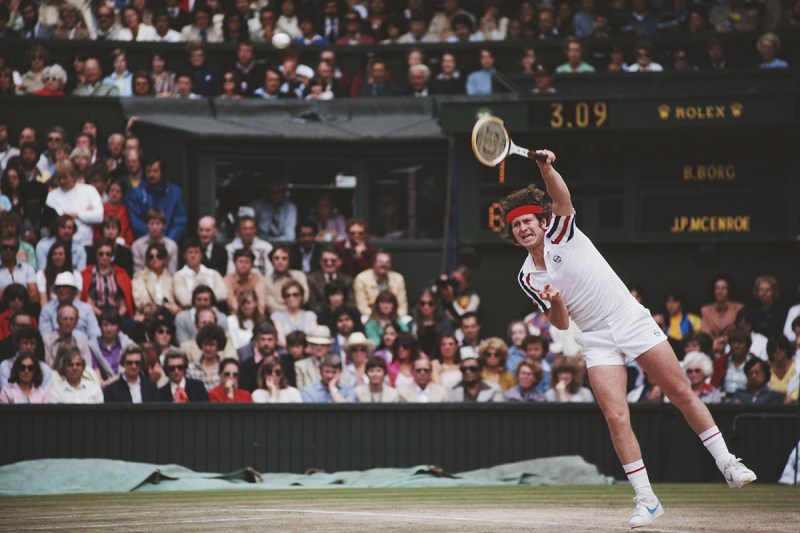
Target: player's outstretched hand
{"type": "Point", "coordinates": [549, 293]}
{"type": "Point", "coordinates": [551, 158]}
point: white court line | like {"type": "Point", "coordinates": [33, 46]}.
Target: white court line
{"type": "Point", "coordinates": [364, 514]}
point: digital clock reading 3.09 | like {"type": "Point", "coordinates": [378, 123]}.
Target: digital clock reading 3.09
{"type": "Point", "coordinates": [578, 115]}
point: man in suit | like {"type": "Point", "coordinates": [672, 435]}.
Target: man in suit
{"type": "Point", "coordinates": [180, 389]}
{"type": "Point", "coordinates": [422, 390]}
{"type": "Point", "coordinates": [330, 263]}
{"type": "Point", "coordinates": [132, 386]}
{"type": "Point", "coordinates": [214, 254]}
{"type": "Point", "coordinates": [329, 23]}
{"type": "Point", "coordinates": [32, 27]}
{"type": "Point", "coordinates": [305, 253]}
{"type": "Point", "coordinates": [178, 18]}
{"type": "Point", "coordinates": [262, 345]}
{"type": "Point", "coordinates": [379, 84]}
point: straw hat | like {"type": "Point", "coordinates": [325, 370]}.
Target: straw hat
{"type": "Point", "coordinates": [320, 335]}
{"type": "Point", "coordinates": [359, 339]}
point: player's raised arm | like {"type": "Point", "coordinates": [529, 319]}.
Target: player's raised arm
{"type": "Point", "coordinates": [556, 187]}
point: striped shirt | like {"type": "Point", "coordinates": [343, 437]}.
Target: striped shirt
{"type": "Point", "coordinates": [592, 291]}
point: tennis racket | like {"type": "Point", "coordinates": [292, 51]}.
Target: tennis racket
{"type": "Point", "coordinates": [491, 143]}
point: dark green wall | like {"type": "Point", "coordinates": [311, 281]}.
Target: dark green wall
{"type": "Point", "coordinates": [294, 438]}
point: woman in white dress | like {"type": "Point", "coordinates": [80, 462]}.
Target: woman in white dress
{"type": "Point", "coordinates": [446, 362]}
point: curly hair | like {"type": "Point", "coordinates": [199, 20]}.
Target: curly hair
{"type": "Point", "coordinates": [530, 195]}
{"type": "Point", "coordinates": [568, 364]}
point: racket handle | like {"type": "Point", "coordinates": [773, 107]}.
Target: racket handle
{"type": "Point", "coordinates": [538, 157]}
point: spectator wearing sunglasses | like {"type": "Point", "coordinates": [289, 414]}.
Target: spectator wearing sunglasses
{"type": "Point", "coordinates": [472, 388]}
{"type": "Point", "coordinates": [37, 58]}
{"type": "Point", "coordinates": [154, 284]}
{"type": "Point", "coordinates": [430, 321]}
{"type": "Point", "coordinates": [133, 386]}
{"type": "Point", "coordinates": [355, 253]}
{"type": "Point", "coordinates": [493, 354]}
{"type": "Point", "coordinates": [180, 388]}
{"type": "Point", "coordinates": [107, 27]}
{"type": "Point", "coordinates": [330, 264]}
{"type": "Point", "coordinates": [357, 350]}
{"type": "Point", "coordinates": [423, 390]}
{"type": "Point", "coordinates": [281, 274]}
{"type": "Point", "coordinates": [273, 384]}
{"type": "Point", "coordinates": [25, 383]}
{"type": "Point", "coordinates": [227, 390]}
{"type": "Point", "coordinates": [643, 59]}
{"type": "Point", "coordinates": [105, 285]}
{"type": "Point", "coordinates": [26, 342]}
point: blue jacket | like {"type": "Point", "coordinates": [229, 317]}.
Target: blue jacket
{"type": "Point", "coordinates": [166, 197]}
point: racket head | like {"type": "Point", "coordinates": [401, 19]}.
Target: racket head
{"type": "Point", "coordinates": [490, 141]}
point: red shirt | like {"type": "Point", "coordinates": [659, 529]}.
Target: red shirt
{"type": "Point", "coordinates": [5, 319]}
{"type": "Point", "coordinates": [121, 212]}
{"type": "Point", "coordinates": [219, 395]}
{"type": "Point", "coordinates": [46, 92]}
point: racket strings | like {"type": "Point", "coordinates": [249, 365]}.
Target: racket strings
{"type": "Point", "coordinates": [490, 141]}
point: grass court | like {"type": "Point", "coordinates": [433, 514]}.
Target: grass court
{"type": "Point", "coordinates": [689, 508]}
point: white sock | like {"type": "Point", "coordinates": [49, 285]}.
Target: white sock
{"type": "Point", "coordinates": [637, 475]}
{"type": "Point", "coordinates": [715, 444]}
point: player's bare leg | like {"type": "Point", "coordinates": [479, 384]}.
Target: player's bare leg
{"type": "Point", "coordinates": [664, 370]}
{"type": "Point", "coordinates": [608, 385]}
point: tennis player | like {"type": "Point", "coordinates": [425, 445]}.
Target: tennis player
{"type": "Point", "coordinates": [566, 276]}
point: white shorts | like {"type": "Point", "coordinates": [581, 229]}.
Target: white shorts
{"type": "Point", "coordinates": [627, 335]}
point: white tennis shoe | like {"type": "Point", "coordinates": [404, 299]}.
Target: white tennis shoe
{"type": "Point", "coordinates": [736, 474]}
{"type": "Point", "coordinates": [648, 508]}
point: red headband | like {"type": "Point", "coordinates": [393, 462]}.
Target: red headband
{"type": "Point", "coordinates": [523, 210]}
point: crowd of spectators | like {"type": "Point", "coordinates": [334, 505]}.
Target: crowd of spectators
{"type": "Point", "coordinates": [321, 23]}
{"type": "Point", "coordinates": [108, 292]}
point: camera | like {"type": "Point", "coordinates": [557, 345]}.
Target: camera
{"type": "Point", "coordinates": [443, 281]}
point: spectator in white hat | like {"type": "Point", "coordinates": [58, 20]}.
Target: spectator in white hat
{"type": "Point", "coordinates": [358, 349]}
{"type": "Point", "coordinates": [307, 370]}
{"type": "Point", "coordinates": [66, 289]}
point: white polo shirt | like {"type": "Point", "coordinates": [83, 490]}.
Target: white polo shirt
{"type": "Point", "coordinates": [591, 290]}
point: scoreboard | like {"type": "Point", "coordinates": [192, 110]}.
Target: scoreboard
{"type": "Point", "coordinates": [651, 170]}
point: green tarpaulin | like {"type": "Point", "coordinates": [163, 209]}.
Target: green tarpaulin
{"type": "Point", "coordinates": [56, 476]}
